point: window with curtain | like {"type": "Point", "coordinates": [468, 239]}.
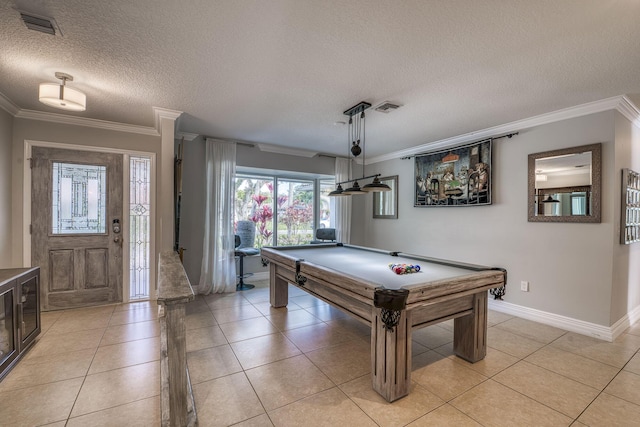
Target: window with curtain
{"type": "Point", "coordinates": [285, 208]}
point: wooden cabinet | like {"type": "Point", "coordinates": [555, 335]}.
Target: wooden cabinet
{"type": "Point", "coordinates": [19, 313]}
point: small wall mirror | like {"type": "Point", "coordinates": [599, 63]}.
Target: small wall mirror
{"type": "Point", "coordinates": [385, 204]}
{"type": "Point", "coordinates": [564, 185]}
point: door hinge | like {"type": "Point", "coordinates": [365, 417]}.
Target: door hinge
{"type": "Point", "coordinates": [30, 162]}
{"type": "Point", "coordinates": [30, 228]}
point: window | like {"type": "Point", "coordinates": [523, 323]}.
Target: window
{"type": "Point", "coordinates": [284, 209]}
{"type": "Point", "coordinates": [579, 203]}
{"type": "Point", "coordinates": [254, 202]}
{"type": "Point", "coordinates": [140, 227]}
{"type": "Point", "coordinates": [295, 222]}
{"type": "Point", "coordinates": [327, 204]}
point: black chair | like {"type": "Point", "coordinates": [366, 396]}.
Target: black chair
{"type": "Point", "coordinates": [241, 253]}
{"type": "Point", "coordinates": [325, 235]}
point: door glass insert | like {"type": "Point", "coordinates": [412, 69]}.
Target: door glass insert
{"type": "Point", "coordinates": [79, 199]}
{"type": "Point", "coordinates": [140, 226]}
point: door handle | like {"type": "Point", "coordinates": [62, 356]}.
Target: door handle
{"type": "Point", "coordinates": [117, 239]}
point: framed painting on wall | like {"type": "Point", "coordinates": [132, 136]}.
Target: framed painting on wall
{"type": "Point", "coordinates": [459, 176]}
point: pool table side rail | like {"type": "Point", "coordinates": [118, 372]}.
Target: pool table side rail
{"type": "Point", "coordinates": [454, 286]}
{"type": "Point", "coordinates": [353, 303]}
{"type": "Point", "coordinates": [442, 300]}
{"type": "Point", "coordinates": [345, 300]}
{"type": "Point", "coordinates": [435, 289]}
{"type": "Point", "coordinates": [315, 271]}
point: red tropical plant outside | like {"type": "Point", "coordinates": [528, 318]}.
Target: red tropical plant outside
{"type": "Point", "coordinates": [295, 212]}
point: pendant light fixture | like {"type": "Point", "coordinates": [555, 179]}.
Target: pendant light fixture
{"type": "Point", "coordinates": [61, 96]}
{"type": "Point", "coordinates": [355, 147]}
{"type": "Point", "coordinates": [550, 199]}
{"type": "Point", "coordinates": [338, 192]}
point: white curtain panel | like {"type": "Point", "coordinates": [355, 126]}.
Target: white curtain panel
{"type": "Point", "coordinates": [343, 203]}
{"type": "Point", "coordinates": [218, 273]}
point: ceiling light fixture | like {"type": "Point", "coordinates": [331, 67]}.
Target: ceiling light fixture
{"type": "Point", "coordinates": [540, 176]}
{"type": "Point", "coordinates": [550, 199]}
{"type": "Point", "coordinates": [356, 146]}
{"type": "Point", "coordinates": [61, 96]}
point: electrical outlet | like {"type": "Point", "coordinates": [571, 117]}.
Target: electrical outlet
{"type": "Point", "coordinates": [524, 286]}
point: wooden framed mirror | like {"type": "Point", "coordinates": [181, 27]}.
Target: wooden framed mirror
{"type": "Point", "coordinates": [385, 204]}
{"type": "Point", "coordinates": [565, 184]}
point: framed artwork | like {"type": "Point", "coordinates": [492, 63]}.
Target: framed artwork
{"type": "Point", "coordinates": [385, 203]}
{"type": "Point", "coordinates": [460, 176]}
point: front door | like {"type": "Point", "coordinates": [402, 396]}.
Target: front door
{"type": "Point", "coordinates": [76, 226]}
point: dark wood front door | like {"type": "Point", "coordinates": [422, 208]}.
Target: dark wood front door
{"type": "Point", "coordinates": [76, 226]}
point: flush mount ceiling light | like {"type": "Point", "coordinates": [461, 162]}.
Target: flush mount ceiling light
{"type": "Point", "coordinates": [356, 146]}
{"type": "Point", "coordinates": [540, 176]}
{"type": "Point", "coordinates": [61, 96]}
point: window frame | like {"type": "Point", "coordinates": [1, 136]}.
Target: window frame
{"type": "Point", "coordinates": [287, 176]}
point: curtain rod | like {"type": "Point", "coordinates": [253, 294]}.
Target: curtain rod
{"type": "Point", "coordinates": [508, 135]}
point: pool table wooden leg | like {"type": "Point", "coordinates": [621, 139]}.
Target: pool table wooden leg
{"type": "Point", "coordinates": [391, 356]}
{"type": "Point", "coordinates": [278, 288]}
{"type": "Point", "coordinates": [470, 331]}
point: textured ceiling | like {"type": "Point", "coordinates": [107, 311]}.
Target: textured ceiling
{"type": "Point", "coordinates": [282, 71]}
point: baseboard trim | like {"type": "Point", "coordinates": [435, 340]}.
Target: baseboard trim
{"type": "Point", "coordinates": [627, 320]}
{"type": "Point", "coordinates": [607, 333]}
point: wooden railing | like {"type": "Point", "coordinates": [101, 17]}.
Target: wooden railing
{"type": "Point", "coordinates": [174, 291]}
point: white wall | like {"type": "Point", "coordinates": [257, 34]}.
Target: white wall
{"type": "Point", "coordinates": [569, 266]}
{"type": "Point", "coordinates": [6, 126]}
{"type": "Point", "coordinates": [626, 258]}
{"type": "Point", "coordinates": [35, 130]}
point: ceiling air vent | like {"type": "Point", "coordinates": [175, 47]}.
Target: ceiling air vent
{"type": "Point", "coordinates": [386, 107]}
{"type": "Point", "coordinates": [40, 23]}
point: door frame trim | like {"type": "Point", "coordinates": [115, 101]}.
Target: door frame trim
{"type": "Point", "coordinates": [126, 154]}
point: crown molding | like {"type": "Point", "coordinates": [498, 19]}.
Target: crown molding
{"type": "Point", "coordinates": [286, 150]}
{"type": "Point", "coordinates": [186, 135]}
{"type": "Point", "coordinates": [160, 113]}
{"type": "Point", "coordinates": [619, 103]}
{"type": "Point", "coordinates": [629, 110]}
{"type": "Point", "coordinates": [83, 121]}
{"type": "Point", "coordinates": [8, 106]}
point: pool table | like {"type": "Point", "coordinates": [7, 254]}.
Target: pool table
{"type": "Point", "coordinates": [358, 280]}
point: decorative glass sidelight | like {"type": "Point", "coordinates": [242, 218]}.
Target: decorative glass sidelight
{"type": "Point", "coordinates": [140, 227]}
{"type": "Point", "coordinates": [79, 199]}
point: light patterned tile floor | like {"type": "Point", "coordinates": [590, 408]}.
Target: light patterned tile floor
{"type": "Point", "coordinates": [94, 366]}
{"type": "Point", "coordinates": [308, 364]}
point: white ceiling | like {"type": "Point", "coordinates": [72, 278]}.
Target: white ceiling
{"type": "Point", "coordinates": [282, 72]}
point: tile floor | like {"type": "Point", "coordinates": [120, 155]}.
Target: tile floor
{"type": "Point", "coordinates": [308, 364]}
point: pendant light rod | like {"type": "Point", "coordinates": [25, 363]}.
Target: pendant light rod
{"type": "Point", "coordinates": [356, 146]}
{"type": "Point", "coordinates": [358, 179]}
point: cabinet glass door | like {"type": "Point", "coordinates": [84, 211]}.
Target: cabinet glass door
{"type": "Point", "coordinates": [29, 301]}
{"type": "Point", "coordinates": [7, 340]}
